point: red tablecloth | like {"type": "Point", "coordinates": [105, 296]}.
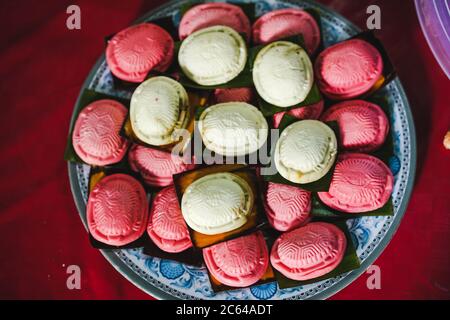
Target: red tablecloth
{"type": "Point", "coordinates": [42, 67]}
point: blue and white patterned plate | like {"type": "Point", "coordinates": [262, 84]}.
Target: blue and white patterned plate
{"type": "Point", "coordinates": [168, 280]}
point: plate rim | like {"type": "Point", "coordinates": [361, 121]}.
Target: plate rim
{"type": "Point", "coordinates": [430, 35]}
{"type": "Point", "coordinates": [129, 274]}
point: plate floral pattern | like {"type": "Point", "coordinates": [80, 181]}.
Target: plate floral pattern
{"type": "Point", "coordinates": [166, 279]}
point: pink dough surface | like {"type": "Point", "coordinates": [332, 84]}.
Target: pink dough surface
{"type": "Point", "coordinates": [311, 112]}
{"type": "Point", "coordinates": [309, 252]}
{"type": "Point", "coordinates": [348, 69]}
{"type": "Point", "coordinates": [95, 138]}
{"type": "Point", "coordinates": [157, 167]}
{"type": "Point", "coordinates": [287, 207]}
{"type": "Point", "coordinates": [363, 126]}
{"type": "Point", "coordinates": [240, 262]}
{"type": "Point", "coordinates": [361, 183]}
{"type": "Point", "coordinates": [117, 210]}
{"type": "Point", "coordinates": [132, 53]}
{"type": "Point", "coordinates": [284, 23]}
{"type": "Point", "coordinates": [166, 226]}
{"type": "Point", "coordinates": [234, 95]}
{"type": "Point", "coordinates": [214, 14]}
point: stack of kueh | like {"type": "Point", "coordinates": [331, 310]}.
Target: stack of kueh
{"type": "Point", "coordinates": [232, 77]}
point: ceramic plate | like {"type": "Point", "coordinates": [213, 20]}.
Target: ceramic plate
{"type": "Point", "coordinates": [165, 279]}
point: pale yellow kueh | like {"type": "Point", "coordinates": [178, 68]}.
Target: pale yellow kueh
{"type": "Point", "coordinates": [305, 151]}
{"type": "Point", "coordinates": [158, 107]}
{"type": "Point", "coordinates": [233, 128]}
{"type": "Point", "coordinates": [217, 203]}
{"type": "Point", "coordinates": [283, 74]}
{"type": "Point", "coordinates": [213, 56]}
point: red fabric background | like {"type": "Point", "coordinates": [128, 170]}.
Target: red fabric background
{"type": "Point", "coordinates": [43, 65]}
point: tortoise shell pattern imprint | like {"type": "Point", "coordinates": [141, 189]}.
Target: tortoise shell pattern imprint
{"type": "Point", "coordinates": [363, 125]}
{"type": "Point", "coordinates": [167, 227]}
{"type": "Point", "coordinates": [117, 210]}
{"type": "Point", "coordinates": [166, 112]}
{"type": "Point", "coordinates": [158, 107]}
{"type": "Point", "coordinates": [212, 197]}
{"type": "Point", "coordinates": [283, 74]}
{"type": "Point", "coordinates": [231, 127]}
{"type": "Point", "coordinates": [238, 262]}
{"type": "Point", "coordinates": [309, 252]}
{"type": "Point", "coordinates": [217, 203]}
{"type": "Point", "coordinates": [311, 148]}
{"type": "Point", "coordinates": [133, 52]}
{"type": "Point", "coordinates": [156, 167]}
{"type": "Point", "coordinates": [284, 23]}
{"type": "Point", "coordinates": [213, 14]}
{"type": "Point", "coordinates": [360, 183]}
{"type": "Point", "coordinates": [213, 64]}
{"type": "Point", "coordinates": [287, 207]}
{"type": "Point", "coordinates": [349, 69]}
{"type": "Point", "coordinates": [96, 137]}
